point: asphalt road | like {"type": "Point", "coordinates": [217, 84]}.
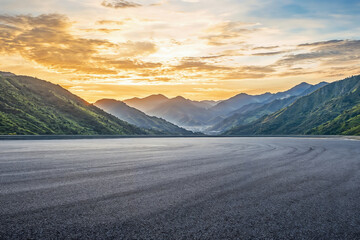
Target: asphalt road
{"type": "Point", "coordinates": [180, 188]}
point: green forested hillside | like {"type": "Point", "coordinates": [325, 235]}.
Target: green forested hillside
{"type": "Point", "coordinates": [333, 109]}
{"type": "Point", "coordinates": [252, 112]}
{"type": "Point", "coordinates": [347, 123]}
{"type": "Point", "coordinates": [247, 117]}
{"type": "Point", "coordinates": [32, 106]}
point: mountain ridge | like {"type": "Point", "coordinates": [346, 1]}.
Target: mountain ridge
{"type": "Point", "coordinates": [32, 106]}
{"type": "Point", "coordinates": [311, 113]}
{"type": "Point", "coordinates": [147, 103]}
{"type": "Point", "coordinates": [136, 117]}
{"type": "Point", "coordinates": [254, 111]}
{"type": "Point", "coordinates": [195, 116]}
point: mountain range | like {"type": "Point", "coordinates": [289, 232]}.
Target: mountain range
{"type": "Point", "coordinates": [29, 106]}
{"type": "Point", "coordinates": [332, 109]}
{"type": "Point", "coordinates": [136, 117]}
{"type": "Point", "coordinates": [254, 111]}
{"type": "Point", "coordinates": [150, 103]}
{"type": "Point", "coordinates": [213, 117]}
{"type": "Point", "coordinates": [33, 106]}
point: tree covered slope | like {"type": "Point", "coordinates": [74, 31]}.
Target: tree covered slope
{"type": "Point", "coordinates": [333, 109]}
{"type": "Point", "coordinates": [250, 116]}
{"type": "Point", "coordinates": [256, 111]}
{"type": "Point", "coordinates": [347, 123]}
{"type": "Point", "coordinates": [32, 106]}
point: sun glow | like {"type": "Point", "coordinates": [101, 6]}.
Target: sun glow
{"type": "Point", "coordinates": [206, 50]}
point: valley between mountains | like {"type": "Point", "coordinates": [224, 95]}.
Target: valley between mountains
{"type": "Point", "coordinates": [30, 106]}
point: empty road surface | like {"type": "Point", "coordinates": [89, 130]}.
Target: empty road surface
{"type": "Point", "coordinates": [180, 188]}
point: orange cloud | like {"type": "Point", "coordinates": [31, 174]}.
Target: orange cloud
{"type": "Point", "coordinates": [105, 22]}
{"type": "Point", "coordinates": [221, 33]}
{"type": "Point", "coordinates": [48, 41]}
{"type": "Point", "coordinates": [119, 4]}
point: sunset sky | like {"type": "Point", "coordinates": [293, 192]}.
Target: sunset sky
{"type": "Point", "coordinates": [200, 49]}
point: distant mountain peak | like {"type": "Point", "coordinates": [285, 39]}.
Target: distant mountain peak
{"type": "Point", "coordinates": [297, 89]}
{"type": "Point", "coordinates": [179, 98]}
{"type": "Point", "coordinates": [150, 97]}
{"type": "Point", "coordinates": [134, 98]}
{"type": "Point", "coordinates": [147, 103]}
{"type": "Point", "coordinates": [242, 94]}
{"type": "Point", "coordinates": [303, 83]}
{"type": "Point", "coordinates": [267, 94]}
{"type": "Point", "coordinates": [156, 96]}
{"type": "Point", "coordinates": [108, 101]}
